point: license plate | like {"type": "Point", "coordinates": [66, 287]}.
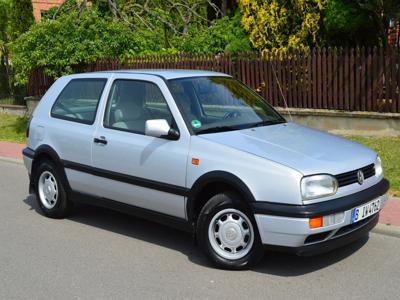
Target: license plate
{"type": "Point", "coordinates": [366, 210]}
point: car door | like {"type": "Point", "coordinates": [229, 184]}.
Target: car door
{"type": "Point", "coordinates": [71, 125]}
{"type": "Point", "coordinates": [133, 168]}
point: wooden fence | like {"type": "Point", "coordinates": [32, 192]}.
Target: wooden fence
{"type": "Point", "coordinates": [356, 79]}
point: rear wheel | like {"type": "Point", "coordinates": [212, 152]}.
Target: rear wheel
{"type": "Point", "coordinates": [50, 191]}
{"type": "Point", "coordinates": [227, 232]}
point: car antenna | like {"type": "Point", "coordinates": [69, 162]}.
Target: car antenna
{"type": "Point", "coordinates": [280, 89]}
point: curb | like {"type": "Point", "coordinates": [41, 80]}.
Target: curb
{"type": "Point", "coordinates": [11, 160]}
{"type": "Point", "coordinates": [388, 230]}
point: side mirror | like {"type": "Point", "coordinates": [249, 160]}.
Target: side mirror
{"type": "Point", "coordinates": [160, 128]}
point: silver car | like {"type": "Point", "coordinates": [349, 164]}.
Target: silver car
{"type": "Point", "coordinates": [200, 151]}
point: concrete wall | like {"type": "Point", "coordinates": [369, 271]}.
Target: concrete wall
{"type": "Point", "coordinates": [18, 110]}
{"type": "Point", "coordinates": [31, 103]}
{"type": "Point", "coordinates": [363, 123]}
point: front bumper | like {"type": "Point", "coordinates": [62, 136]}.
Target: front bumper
{"type": "Point", "coordinates": [287, 226]}
{"type": "Point", "coordinates": [349, 235]}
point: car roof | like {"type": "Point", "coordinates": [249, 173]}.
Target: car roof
{"type": "Point", "coordinates": [166, 73]}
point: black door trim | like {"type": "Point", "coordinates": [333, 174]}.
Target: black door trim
{"type": "Point", "coordinates": [139, 181]}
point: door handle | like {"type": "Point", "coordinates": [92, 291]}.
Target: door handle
{"type": "Point", "coordinates": [102, 140]}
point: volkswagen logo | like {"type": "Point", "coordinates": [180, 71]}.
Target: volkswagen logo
{"type": "Point", "coordinates": [360, 177]}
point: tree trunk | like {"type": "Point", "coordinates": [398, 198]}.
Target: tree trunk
{"type": "Point", "coordinates": [8, 71]}
{"type": "Point", "coordinates": [224, 7]}
{"type": "Point", "coordinates": [113, 8]}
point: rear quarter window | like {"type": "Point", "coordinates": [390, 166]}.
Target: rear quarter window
{"type": "Point", "coordinates": [79, 100]}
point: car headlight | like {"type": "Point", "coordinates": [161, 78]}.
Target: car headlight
{"type": "Point", "coordinates": [317, 186]}
{"type": "Point", "coordinates": [378, 167]}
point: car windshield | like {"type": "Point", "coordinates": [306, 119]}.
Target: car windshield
{"type": "Point", "coordinates": [216, 104]}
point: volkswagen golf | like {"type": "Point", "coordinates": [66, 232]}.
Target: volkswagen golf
{"type": "Point", "coordinates": [202, 152]}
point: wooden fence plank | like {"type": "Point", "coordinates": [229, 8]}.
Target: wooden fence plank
{"type": "Point", "coordinates": [269, 84]}
{"type": "Point", "coordinates": [357, 70]}
{"type": "Point", "coordinates": [274, 80]}
{"type": "Point", "coordinates": [283, 77]}
{"type": "Point", "coordinates": [374, 79]}
{"type": "Point", "coordinates": [314, 79]}
{"type": "Point", "coordinates": [393, 81]}
{"type": "Point", "coordinates": [324, 78]}
{"type": "Point", "coordinates": [381, 71]}
{"type": "Point", "coordinates": [362, 80]}
{"type": "Point", "coordinates": [331, 104]}
{"type": "Point", "coordinates": [352, 80]}
{"type": "Point", "coordinates": [346, 78]}
{"type": "Point", "coordinates": [304, 78]}
{"type": "Point", "coordinates": [295, 83]}
{"type": "Point", "coordinates": [387, 80]}
{"type": "Point", "coordinates": [309, 79]}
{"type": "Point", "coordinates": [368, 82]}
{"type": "Point", "coordinates": [335, 74]}
{"type": "Point", "coordinates": [288, 70]}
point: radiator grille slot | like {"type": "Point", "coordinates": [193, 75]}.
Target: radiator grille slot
{"type": "Point", "coordinates": [351, 177]}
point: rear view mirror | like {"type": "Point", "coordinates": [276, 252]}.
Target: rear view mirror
{"type": "Point", "coordinates": [161, 129]}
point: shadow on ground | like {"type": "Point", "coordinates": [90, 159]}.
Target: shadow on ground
{"type": "Point", "coordinates": [274, 263]}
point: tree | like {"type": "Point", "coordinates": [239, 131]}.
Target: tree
{"type": "Point", "coordinates": [73, 34]}
{"type": "Point", "coordinates": [223, 35]}
{"type": "Point", "coordinates": [21, 17]}
{"type": "Point", "coordinates": [359, 22]}
{"type": "Point", "coordinates": [76, 38]}
{"type": "Point", "coordinates": [276, 24]}
{"type": "Point", "coordinates": [177, 16]}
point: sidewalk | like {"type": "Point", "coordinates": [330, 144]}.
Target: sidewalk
{"type": "Point", "coordinates": [389, 219]}
{"type": "Point", "coordinates": [11, 150]}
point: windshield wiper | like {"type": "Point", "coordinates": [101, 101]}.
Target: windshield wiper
{"type": "Point", "coordinates": [266, 123]}
{"type": "Point", "coordinates": [216, 129]}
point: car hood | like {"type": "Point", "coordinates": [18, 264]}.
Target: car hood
{"type": "Point", "coordinates": [306, 150]}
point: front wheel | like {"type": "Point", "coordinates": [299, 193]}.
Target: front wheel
{"type": "Point", "coordinates": [227, 232]}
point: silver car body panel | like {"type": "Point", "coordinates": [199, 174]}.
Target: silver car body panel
{"type": "Point", "coordinates": [265, 179]}
{"type": "Point", "coordinates": [306, 150]}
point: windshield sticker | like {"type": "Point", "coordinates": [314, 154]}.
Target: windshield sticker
{"type": "Point", "coordinates": [196, 124]}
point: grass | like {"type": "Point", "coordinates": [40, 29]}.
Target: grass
{"type": "Point", "coordinates": [388, 149]}
{"type": "Point", "coordinates": [12, 128]}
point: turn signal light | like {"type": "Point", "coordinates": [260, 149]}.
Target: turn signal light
{"type": "Point", "coordinates": [195, 161]}
{"type": "Point", "coordinates": [315, 222]}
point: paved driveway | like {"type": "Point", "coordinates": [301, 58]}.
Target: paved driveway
{"type": "Point", "coordinates": [99, 254]}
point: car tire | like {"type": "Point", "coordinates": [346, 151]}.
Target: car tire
{"type": "Point", "coordinates": [227, 232]}
{"type": "Point", "coordinates": [50, 191]}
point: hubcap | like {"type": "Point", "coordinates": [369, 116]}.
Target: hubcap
{"type": "Point", "coordinates": [48, 190]}
{"type": "Point", "coordinates": [231, 234]}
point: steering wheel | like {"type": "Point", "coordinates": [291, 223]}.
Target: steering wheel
{"type": "Point", "coordinates": [232, 114]}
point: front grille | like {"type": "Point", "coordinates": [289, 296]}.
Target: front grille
{"type": "Point", "coordinates": [318, 237]}
{"type": "Point", "coordinates": [351, 177]}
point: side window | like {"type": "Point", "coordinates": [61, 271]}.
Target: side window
{"type": "Point", "coordinates": [78, 101]}
{"type": "Point", "coordinates": [132, 102]}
